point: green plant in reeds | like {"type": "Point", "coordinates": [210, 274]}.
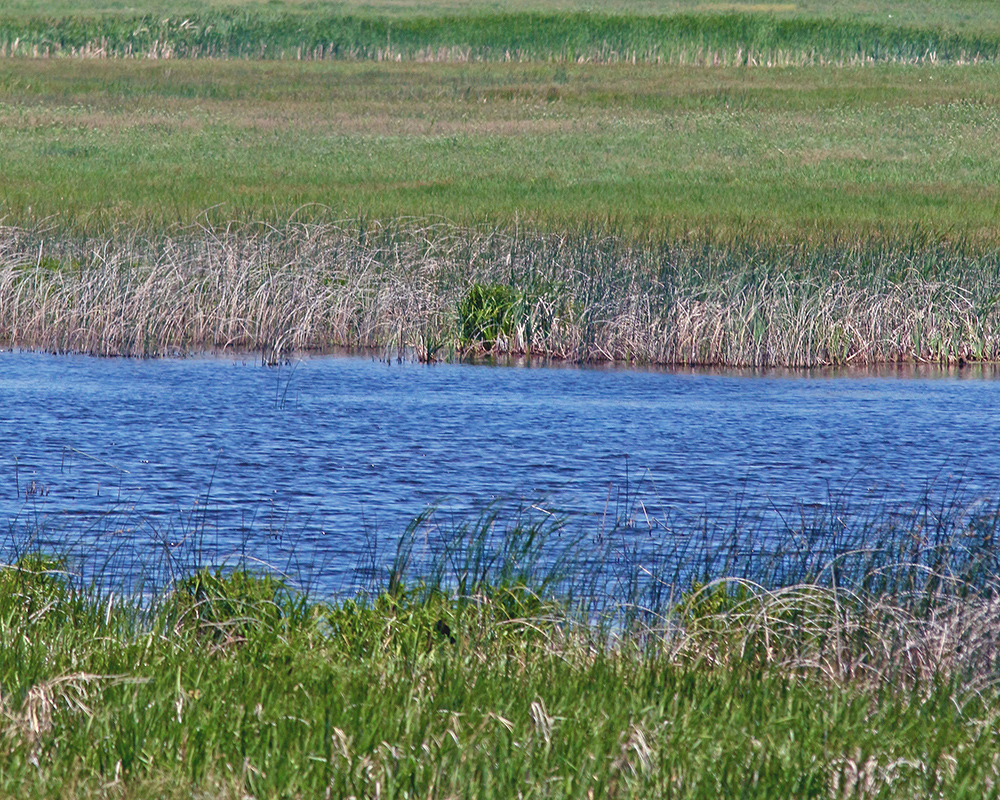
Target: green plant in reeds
{"type": "Point", "coordinates": [33, 586]}
{"type": "Point", "coordinates": [486, 314]}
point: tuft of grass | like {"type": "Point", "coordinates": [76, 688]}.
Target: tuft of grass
{"type": "Point", "coordinates": [486, 314]}
{"type": "Point", "coordinates": [226, 605]}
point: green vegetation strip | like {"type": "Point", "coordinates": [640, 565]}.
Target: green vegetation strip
{"type": "Point", "coordinates": [711, 39]}
{"type": "Point", "coordinates": [486, 682]}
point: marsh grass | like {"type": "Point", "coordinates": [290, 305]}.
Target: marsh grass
{"type": "Point", "coordinates": [473, 672]}
{"type": "Point", "coordinates": [403, 289]}
{"type": "Point", "coordinates": [687, 39]}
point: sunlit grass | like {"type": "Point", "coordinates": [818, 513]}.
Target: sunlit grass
{"type": "Point", "coordinates": [475, 673]}
{"type": "Point", "coordinates": [703, 36]}
{"type": "Point", "coordinates": [962, 15]}
{"type": "Point", "coordinates": [853, 208]}
{"type": "Point", "coordinates": [797, 154]}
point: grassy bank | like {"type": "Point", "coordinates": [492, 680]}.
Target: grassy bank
{"type": "Point", "coordinates": [477, 676]}
{"type": "Point", "coordinates": [444, 292]}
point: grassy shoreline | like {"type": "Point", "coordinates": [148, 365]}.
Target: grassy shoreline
{"type": "Point", "coordinates": [441, 292]}
{"type": "Point", "coordinates": [474, 675]}
{"type": "Point", "coordinates": [693, 207]}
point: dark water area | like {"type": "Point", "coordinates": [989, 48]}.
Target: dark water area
{"type": "Point", "coordinates": [324, 462]}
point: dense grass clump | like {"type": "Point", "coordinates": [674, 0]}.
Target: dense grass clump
{"type": "Point", "coordinates": [486, 669]}
{"type": "Point", "coordinates": [583, 297]}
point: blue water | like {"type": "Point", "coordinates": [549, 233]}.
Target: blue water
{"type": "Point", "coordinates": [323, 459]}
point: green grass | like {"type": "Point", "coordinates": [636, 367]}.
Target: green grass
{"type": "Point", "coordinates": [800, 154]}
{"type": "Point", "coordinates": [705, 38]}
{"type": "Point", "coordinates": [473, 675]}
{"type": "Point", "coordinates": [967, 16]}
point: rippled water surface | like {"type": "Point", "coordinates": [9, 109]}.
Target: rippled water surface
{"type": "Point", "coordinates": [325, 456]}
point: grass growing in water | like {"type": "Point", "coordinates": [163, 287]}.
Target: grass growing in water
{"type": "Point", "coordinates": [404, 289]}
{"type": "Point", "coordinates": [472, 674]}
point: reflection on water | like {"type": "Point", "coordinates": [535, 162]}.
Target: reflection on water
{"type": "Point", "coordinates": [318, 459]}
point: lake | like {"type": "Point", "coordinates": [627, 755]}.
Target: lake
{"type": "Point", "coordinates": [322, 463]}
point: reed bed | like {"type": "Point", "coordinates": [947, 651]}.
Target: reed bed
{"type": "Point", "coordinates": [682, 39]}
{"type": "Point", "coordinates": [487, 669]}
{"type": "Point", "coordinates": [402, 287]}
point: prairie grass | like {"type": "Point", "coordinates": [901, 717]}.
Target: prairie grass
{"type": "Point", "coordinates": [803, 154]}
{"type": "Point", "coordinates": [401, 289]}
{"type": "Point", "coordinates": [967, 16]}
{"type": "Point", "coordinates": [474, 674]}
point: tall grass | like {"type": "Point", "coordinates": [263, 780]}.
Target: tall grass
{"type": "Point", "coordinates": [473, 673]}
{"type": "Point", "coordinates": [404, 287]}
{"type": "Point", "coordinates": [706, 39]}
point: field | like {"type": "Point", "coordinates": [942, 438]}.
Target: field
{"type": "Point", "coordinates": [810, 153]}
{"type": "Point", "coordinates": [829, 135]}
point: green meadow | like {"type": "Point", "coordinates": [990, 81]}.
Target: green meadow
{"type": "Point", "coordinates": [805, 153]}
{"type": "Point", "coordinates": [796, 121]}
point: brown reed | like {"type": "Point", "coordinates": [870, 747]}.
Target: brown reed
{"type": "Point", "coordinates": [396, 286]}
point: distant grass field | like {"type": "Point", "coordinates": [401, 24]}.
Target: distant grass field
{"type": "Point", "coordinates": [969, 16]}
{"type": "Point", "coordinates": [673, 31]}
{"type": "Point", "coordinates": [805, 153]}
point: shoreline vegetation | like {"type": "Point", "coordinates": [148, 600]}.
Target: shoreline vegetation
{"type": "Point", "coordinates": [842, 656]}
{"type": "Point", "coordinates": [434, 292]}
{"type": "Point", "coordinates": [635, 188]}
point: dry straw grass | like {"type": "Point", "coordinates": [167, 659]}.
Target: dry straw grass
{"type": "Point", "coordinates": [396, 286]}
{"type": "Point", "coordinates": [840, 636]}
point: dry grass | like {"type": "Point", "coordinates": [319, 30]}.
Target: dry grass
{"type": "Point", "coordinates": [578, 297]}
{"type": "Point", "coordinates": [839, 636]}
